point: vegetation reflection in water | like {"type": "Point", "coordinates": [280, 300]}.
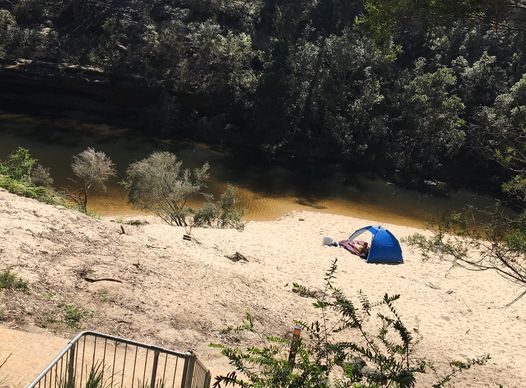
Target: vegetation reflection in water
{"type": "Point", "coordinates": [266, 192]}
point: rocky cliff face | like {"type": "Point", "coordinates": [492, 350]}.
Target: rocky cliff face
{"type": "Point", "coordinates": [36, 86]}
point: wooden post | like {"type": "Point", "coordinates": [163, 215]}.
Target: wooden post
{"type": "Point", "coordinates": [296, 333]}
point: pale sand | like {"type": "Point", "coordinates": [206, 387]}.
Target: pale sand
{"type": "Point", "coordinates": [29, 354]}
{"type": "Point", "coordinates": [182, 295]}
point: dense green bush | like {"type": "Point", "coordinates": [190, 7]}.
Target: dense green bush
{"type": "Point", "coordinates": [19, 165]}
{"type": "Point", "coordinates": [28, 190]}
{"type": "Point", "coordinates": [21, 175]}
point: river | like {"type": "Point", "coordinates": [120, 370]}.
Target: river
{"type": "Point", "coordinates": [266, 192]}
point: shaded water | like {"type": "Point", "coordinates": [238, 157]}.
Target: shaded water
{"type": "Point", "coordinates": [266, 192]}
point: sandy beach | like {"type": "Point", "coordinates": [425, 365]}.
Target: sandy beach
{"type": "Point", "coordinates": [186, 294]}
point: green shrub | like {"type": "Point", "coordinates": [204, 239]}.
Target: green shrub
{"type": "Point", "coordinates": [74, 314]}
{"type": "Point", "coordinates": [26, 189]}
{"type": "Point", "coordinates": [21, 188]}
{"type": "Point", "coordinates": [207, 214]}
{"type": "Point", "coordinates": [160, 184]}
{"type": "Point", "coordinates": [372, 354]}
{"type": "Point", "coordinates": [19, 165]}
{"type": "Point", "coordinates": [21, 175]}
{"type": "Point", "coordinates": [8, 280]}
{"type": "Point", "coordinates": [230, 210]}
{"type": "Point", "coordinates": [226, 212]}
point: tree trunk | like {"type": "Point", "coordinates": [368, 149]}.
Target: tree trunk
{"type": "Point", "coordinates": [85, 201]}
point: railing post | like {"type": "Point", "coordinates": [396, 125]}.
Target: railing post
{"type": "Point", "coordinates": [154, 368]}
{"type": "Point", "coordinates": [208, 379]}
{"type": "Point", "coordinates": [72, 360]}
{"type": "Point", "coordinates": [71, 367]}
{"type": "Point", "coordinates": [188, 374]}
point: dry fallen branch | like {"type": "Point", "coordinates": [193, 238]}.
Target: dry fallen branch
{"type": "Point", "coordinates": [93, 280]}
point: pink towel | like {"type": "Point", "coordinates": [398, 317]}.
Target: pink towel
{"type": "Point", "coordinates": [353, 246]}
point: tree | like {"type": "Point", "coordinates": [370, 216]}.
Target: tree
{"type": "Point", "coordinates": [493, 239]}
{"type": "Point", "coordinates": [217, 63]}
{"type": "Point", "coordinates": [295, 77]}
{"type": "Point", "coordinates": [7, 30]}
{"type": "Point", "coordinates": [159, 183]}
{"type": "Point", "coordinates": [382, 18]}
{"type": "Point", "coordinates": [427, 129]}
{"type": "Point", "coordinates": [93, 169]}
{"type": "Point", "coordinates": [507, 125]}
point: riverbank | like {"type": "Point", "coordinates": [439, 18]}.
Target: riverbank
{"type": "Point", "coordinates": [267, 191]}
{"type": "Point", "coordinates": [186, 294]}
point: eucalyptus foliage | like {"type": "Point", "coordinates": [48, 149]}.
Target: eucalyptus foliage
{"type": "Point", "coordinates": [404, 88]}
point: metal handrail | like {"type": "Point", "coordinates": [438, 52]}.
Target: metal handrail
{"type": "Point", "coordinates": [69, 356]}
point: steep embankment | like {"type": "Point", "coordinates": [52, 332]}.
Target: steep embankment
{"type": "Point", "coordinates": [76, 91]}
{"type": "Point", "coordinates": [185, 294]}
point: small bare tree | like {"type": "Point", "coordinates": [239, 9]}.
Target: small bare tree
{"type": "Point", "coordinates": [93, 169]}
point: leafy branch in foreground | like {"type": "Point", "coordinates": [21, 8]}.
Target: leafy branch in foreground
{"type": "Point", "coordinates": [479, 241]}
{"type": "Point", "coordinates": [458, 367]}
{"type": "Point", "coordinates": [380, 353]}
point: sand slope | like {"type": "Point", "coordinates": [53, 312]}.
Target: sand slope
{"type": "Point", "coordinates": [182, 294]}
{"type": "Point", "coordinates": [29, 354]}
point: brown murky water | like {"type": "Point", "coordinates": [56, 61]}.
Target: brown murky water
{"type": "Point", "coordinates": [267, 193]}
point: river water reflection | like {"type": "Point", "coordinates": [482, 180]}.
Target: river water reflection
{"type": "Point", "coordinates": [266, 192]}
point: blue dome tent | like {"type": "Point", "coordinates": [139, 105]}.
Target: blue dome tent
{"type": "Point", "coordinates": [385, 248]}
